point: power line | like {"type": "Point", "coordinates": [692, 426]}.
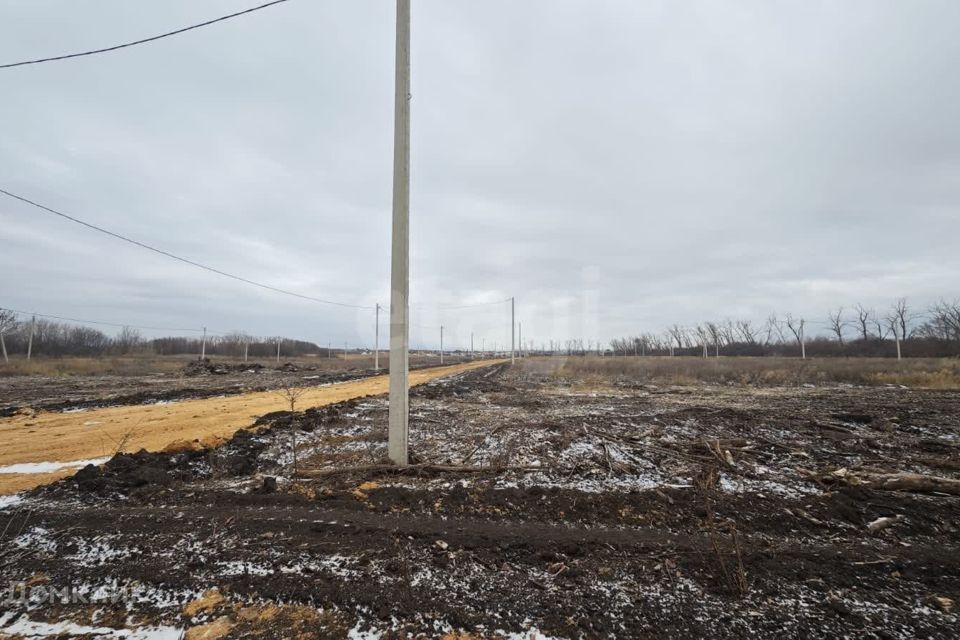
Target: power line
{"type": "Point", "coordinates": [144, 40]}
{"type": "Point", "coordinates": [179, 258]}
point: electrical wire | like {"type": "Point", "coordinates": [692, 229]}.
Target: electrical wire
{"type": "Point", "coordinates": [142, 41]}
{"type": "Point", "coordinates": [179, 258]}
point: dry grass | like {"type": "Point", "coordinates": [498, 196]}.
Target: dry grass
{"type": "Point", "coordinates": [80, 366]}
{"type": "Point", "coordinates": [932, 373]}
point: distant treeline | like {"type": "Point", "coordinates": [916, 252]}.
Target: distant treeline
{"type": "Point", "coordinates": [56, 339]}
{"type": "Point", "coordinates": [931, 333]}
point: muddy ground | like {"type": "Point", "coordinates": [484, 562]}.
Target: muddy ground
{"type": "Point", "coordinates": [578, 509]}
{"type": "Point", "coordinates": [195, 380]}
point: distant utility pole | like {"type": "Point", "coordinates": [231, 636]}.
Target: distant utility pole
{"type": "Point", "coordinates": [329, 351]}
{"type": "Point", "coordinates": [278, 349]}
{"type": "Point", "coordinates": [376, 342]}
{"type": "Point", "coordinates": [513, 330]}
{"type": "Point", "coordinates": [33, 324]}
{"type": "Point", "coordinates": [441, 344]}
{"type": "Point", "coordinates": [895, 335]}
{"type": "Point", "coordinates": [203, 345]}
{"type": "Point", "coordinates": [803, 342]}
{"type": "Point", "coordinates": [246, 349]}
{"type": "Point", "coordinates": [471, 345]}
{"type": "Point", "coordinates": [400, 249]}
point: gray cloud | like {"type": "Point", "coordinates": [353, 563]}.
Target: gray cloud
{"type": "Point", "coordinates": [617, 166]}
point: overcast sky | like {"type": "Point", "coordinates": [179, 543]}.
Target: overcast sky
{"type": "Point", "coordinates": [616, 166]}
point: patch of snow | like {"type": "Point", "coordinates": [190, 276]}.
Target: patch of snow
{"type": "Point", "coordinates": [530, 634]}
{"type": "Point", "coordinates": [241, 567]}
{"type": "Point", "coordinates": [10, 501]}
{"type": "Point", "coordinates": [37, 537]}
{"type": "Point", "coordinates": [98, 551]}
{"type": "Point", "coordinates": [49, 467]}
{"type": "Point", "coordinates": [357, 634]}
{"type": "Point", "coordinates": [34, 629]}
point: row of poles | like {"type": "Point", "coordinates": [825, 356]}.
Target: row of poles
{"type": "Point", "coordinates": [3, 343]}
{"type": "Point", "coordinates": [246, 344]}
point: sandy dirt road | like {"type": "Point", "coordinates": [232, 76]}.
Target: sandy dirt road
{"type": "Point", "coordinates": [94, 434]}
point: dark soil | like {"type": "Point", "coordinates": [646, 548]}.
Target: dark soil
{"type": "Point", "coordinates": [632, 529]}
{"type": "Point", "coordinates": [198, 379]}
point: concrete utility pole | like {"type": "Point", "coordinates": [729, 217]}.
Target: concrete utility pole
{"type": "Point", "coordinates": [329, 351]}
{"type": "Point", "coordinates": [400, 249]}
{"type": "Point", "coordinates": [4, 345]}
{"type": "Point", "coordinates": [33, 324]}
{"type": "Point", "coordinates": [803, 342]}
{"type": "Point", "coordinates": [513, 331]}
{"type": "Point", "coordinates": [376, 342]}
{"type": "Point", "coordinates": [203, 345]}
{"type": "Point", "coordinates": [895, 335]}
{"type": "Point", "coordinates": [441, 344]}
{"type": "Point", "coordinates": [278, 349]}
{"type": "Point", "coordinates": [246, 349]}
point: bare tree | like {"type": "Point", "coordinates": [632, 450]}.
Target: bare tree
{"type": "Point", "coordinates": [837, 323]}
{"type": "Point", "coordinates": [863, 320]}
{"type": "Point", "coordinates": [796, 328]}
{"type": "Point", "coordinates": [747, 332]}
{"type": "Point", "coordinates": [8, 323]}
{"type": "Point", "coordinates": [900, 315]}
{"type": "Point", "coordinates": [129, 339]}
{"type": "Point", "coordinates": [944, 322]}
{"type": "Point", "coordinates": [292, 395]}
{"type": "Point", "coordinates": [677, 333]}
{"type": "Point", "coordinates": [880, 324]}
{"type": "Point", "coordinates": [728, 332]}
{"type": "Point", "coordinates": [774, 330]}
